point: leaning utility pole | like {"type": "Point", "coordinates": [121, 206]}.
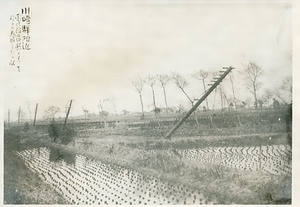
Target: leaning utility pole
{"type": "Point", "coordinates": [36, 107]}
{"type": "Point", "coordinates": [216, 83]}
{"type": "Point", "coordinates": [68, 113]}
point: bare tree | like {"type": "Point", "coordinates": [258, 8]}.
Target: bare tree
{"type": "Point", "coordinates": [51, 112]}
{"type": "Point", "coordinates": [114, 105]}
{"type": "Point", "coordinates": [151, 80]}
{"type": "Point", "coordinates": [201, 75]}
{"type": "Point", "coordinates": [284, 92]}
{"type": "Point", "coordinates": [253, 72]}
{"type": "Point", "coordinates": [28, 106]}
{"type": "Point", "coordinates": [287, 84]}
{"type": "Point", "coordinates": [21, 115]}
{"type": "Point", "coordinates": [102, 112]}
{"type": "Point", "coordinates": [86, 113]}
{"type": "Point", "coordinates": [222, 91]}
{"type": "Point", "coordinates": [164, 79]}
{"type": "Point", "coordinates": [221, 96]}
{"type": "Point", "coordinates": [138, 84]}
{"type": "Point", "coordinates": [100, 106]}
{"type": "Point", "coordinates": [232, 88]}
{"type": "Point", "coordinates": [181, 83]}
{"type": "Point", "coordinates": [219, 90]}
{"type": "Point", "coordinates": [215, 98]}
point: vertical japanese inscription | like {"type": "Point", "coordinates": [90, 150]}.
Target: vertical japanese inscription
{"type": "Point", "coordinates": [19, 35]}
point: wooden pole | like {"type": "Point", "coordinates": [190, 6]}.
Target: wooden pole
{"type": "Point", "coordinates": [8, 118]}
{"type": "Point", "coordinates": [68, 113]}
{"type": "Point", "coordinates": [36, 108]}
{"type": "Point", "coordinates": [19, 114]}
{"type": "Point", "coordinates": [168, 136]}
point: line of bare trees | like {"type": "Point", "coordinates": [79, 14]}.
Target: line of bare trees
{"type": "Point", "coordinates": [251, 76]}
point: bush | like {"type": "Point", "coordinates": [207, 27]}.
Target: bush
{"type": "Point", "coordinates": [61, 134]}
{"type": "Point", "coordinates": [67, 135]}
{"type": "Point", "coordinates": [26, 127]}
{"type": "Point", "coordinates": [53, 131]}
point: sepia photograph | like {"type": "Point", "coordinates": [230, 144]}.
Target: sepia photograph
{"type": "Point", "coordinates": [147, 102]}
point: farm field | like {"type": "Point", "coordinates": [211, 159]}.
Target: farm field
{"type": "Point", "coordinates": [149, 103]}
{"type": "Point", "coordinates": [90, 182]}
{"type": "Point", "coordinates": [273, 159]}
{"type": "Point", "coordinates": [103, 166]}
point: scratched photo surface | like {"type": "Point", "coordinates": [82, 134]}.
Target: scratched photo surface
{"type": "Point", "coordinates": [147, 103]}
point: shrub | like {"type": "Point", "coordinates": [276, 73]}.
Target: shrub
{"type": "Point", "coordinates": [53, 131]}
{"type": "Point", "coordinates": [111, 149]}
{"type": "Point", "coordinates": [67, 135]}
{"type": "Point", "coordinates": [61, 134]}
{"type": "Point", "coordinates": [26, 127]}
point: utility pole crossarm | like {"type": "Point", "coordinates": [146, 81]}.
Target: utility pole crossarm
{"type": "Point", "coordinates": [216, 83]}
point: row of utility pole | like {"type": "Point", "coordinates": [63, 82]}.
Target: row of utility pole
{"type": "Point", "coordinates": [19, 115]}
{"type": "Point", "coordinates": [35, 114]}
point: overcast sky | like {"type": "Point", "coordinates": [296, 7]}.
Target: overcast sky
{"type": "Point", "coordinates": [90, 50]}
